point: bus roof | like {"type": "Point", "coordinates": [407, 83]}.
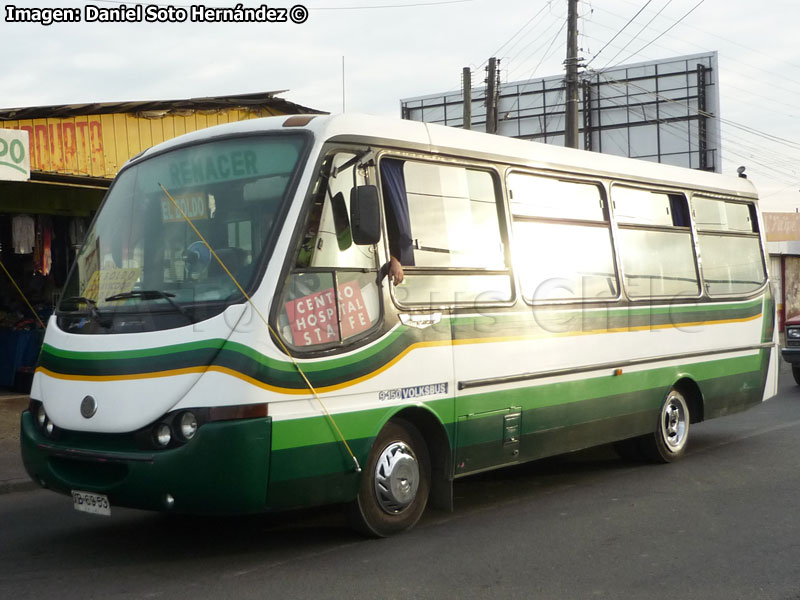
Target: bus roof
{"type": "Point", "coordinates": [439, 139]}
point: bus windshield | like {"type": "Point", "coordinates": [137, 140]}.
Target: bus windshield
{"type": "Point", "coordinates": [143, 255]}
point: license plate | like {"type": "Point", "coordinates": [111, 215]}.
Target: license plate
{"type": "Point", "coordinates": [89, 502]}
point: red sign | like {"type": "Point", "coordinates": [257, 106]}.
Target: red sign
{"type": "Point", "coordinates": [782, 227]}
{"type": "Point", "coordinates": [314, 319]}
{"type": "Point", "coordinates": [354, 315]}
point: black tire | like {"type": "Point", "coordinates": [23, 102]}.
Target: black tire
{"type": "Point", "coordinates": [668, 442]}
{"type": "Point", "coordinates": [395, 483]}
{"type": "Point", "coordinates": [796, 373]}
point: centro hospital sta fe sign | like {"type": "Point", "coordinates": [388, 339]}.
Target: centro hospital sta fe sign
{"type": "Point", "coordinates": [15, 158]}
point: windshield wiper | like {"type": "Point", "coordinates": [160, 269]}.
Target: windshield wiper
{"type": "Point", "coordinates": [152, 295]}
{"type": "Point", "coordinates": [93, 312]}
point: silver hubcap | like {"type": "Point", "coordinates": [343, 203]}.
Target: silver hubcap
{"type": "Point", "coordinates": [674, 423]}
{"type": "Point", "coordinates": [396, 478]}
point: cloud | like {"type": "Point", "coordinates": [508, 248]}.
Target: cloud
{"type": "Point", "coordinates": [398, 53]}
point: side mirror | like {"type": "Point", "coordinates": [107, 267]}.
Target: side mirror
{"type": "Point", "coordinates": [365, 215]}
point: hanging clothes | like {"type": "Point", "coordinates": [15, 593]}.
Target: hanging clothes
{"type": "Point", "coordinates": [23, 233]}
{"type": "Point", "coordinates": [77, 231]}
{"type": "Point", "coordinates": [46, 227]}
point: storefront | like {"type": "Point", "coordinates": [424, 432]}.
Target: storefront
{"type": "Point", "coordinates": [783, 245]}
{"type": "Point", "coordinates": [74, 152]}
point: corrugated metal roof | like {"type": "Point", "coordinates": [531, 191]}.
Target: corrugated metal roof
{"type": "Point", "coordinates": [251, 101]}
{"type": "Point", "coordinates": [95, 140]}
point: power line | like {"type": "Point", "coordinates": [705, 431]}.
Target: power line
{"type": "Point", "coordinates": [758, 153]}
{"type": "Point", "coordinates": [728, 85]}
{"type": "Point", "coordinates": [787, 173]}
{"type": "Point", "coordinates": [533, 39]}
{"type": "Point", "coordinates": [746, 128]}
{"type": "Point", "coordinates": [546, 52]}
{"type": "Point", "coordinates": [772, 57]}
{"type": "Point", "coordinates": [633, 39]}
{"type": "Point", "coordinates": [781, 76]}
{"type": "Point", "coordinates": [544, 57]}
{"type": "Point", "coordinates": [620, 31]}
{"type": "Point", "coordinates": [777, 157]}
{"type": "Point", "coordinates": [774, 86]}
{"type": "Point", "coordinates": [670, 28]}
{"type": "Point", "coordinates": [781, 191]}
{"type": "Point", "coordinates": [528, 22]}
{"type": "Point", "coordinates": [478, 67]}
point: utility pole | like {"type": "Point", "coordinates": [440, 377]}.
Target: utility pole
{"type": "Point", "coordinates": [702, 127]}
{"type": "Point", "coordinates": [467, 85]}
{"type": "Point", "coordinates": [491, 96]}
{"type": "Point", "coordinates": [571, 128]}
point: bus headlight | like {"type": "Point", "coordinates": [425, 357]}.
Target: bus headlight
{"type": "Point", "coordinates": [49, 427]}
{"type": "Point", "coordinates": [162, 435]}
{"type": "Point", "coordinates": [187, 425]}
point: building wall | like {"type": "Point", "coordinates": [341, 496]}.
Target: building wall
{"type": "Point", "coordinates": [791, 285]}
{"type": "Point", "coordinates": [98, 145]}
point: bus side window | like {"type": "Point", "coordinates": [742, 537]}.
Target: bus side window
{"type": "Point", "coordinates": [443, 225]}
{"type": "Point", "coordinates": [562, 239]}
{"type": "Point", "coordinates": [331, 295]}
{"type": "Point", "coordinates": [727, 230]}
{"type": "Point", "coordinates": [655, 243]}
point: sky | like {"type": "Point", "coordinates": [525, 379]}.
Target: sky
{"type": "Point", "coordinates": [366, 55]}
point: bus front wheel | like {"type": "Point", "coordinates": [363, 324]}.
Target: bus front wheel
{"type": "Point", "coordinates": [668, 442]}
{"type": "Point", "coordinates": [395, 483]}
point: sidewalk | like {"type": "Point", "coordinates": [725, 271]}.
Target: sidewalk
{"type": "Point", "coordinates": [13, 477]}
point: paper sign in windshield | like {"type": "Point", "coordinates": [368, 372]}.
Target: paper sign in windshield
{"type": "Point", "coordinates": [192, 205]}
{"type": "Point", "coordinates": [108, 282]}
{"type": "Point", "coordinates": [314, 320]}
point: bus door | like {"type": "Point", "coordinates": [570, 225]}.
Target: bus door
{"type": "Point", "coordinates": [444, 223]}
{"type": "Point", "coordinates": [331, 307]}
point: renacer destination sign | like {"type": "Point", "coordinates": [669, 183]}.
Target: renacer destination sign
{"type": "Point", "coordinates": [15, 156]}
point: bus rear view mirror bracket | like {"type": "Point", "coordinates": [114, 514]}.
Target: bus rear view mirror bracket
{"type": "Point", "coordinates": [365, 215]}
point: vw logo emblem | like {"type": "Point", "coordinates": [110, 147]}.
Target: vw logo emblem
{"type": "Point", "coordinates": [88, 407]}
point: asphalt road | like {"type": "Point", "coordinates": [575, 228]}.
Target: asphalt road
{"type": "Point", "coordinates": [723, 523]}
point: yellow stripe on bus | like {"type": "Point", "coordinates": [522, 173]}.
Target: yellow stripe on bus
{"type": "Point", "coordinates": [379, 370]}
{"type": "Point", "coordinates": [127, 377]}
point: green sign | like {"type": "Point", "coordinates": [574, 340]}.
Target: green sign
{"type": "Point", "coordinates": [15, 158]}
{"type": "Point", "coordinates": [221, 161]}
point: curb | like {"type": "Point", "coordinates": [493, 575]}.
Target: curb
{"type": "Point", "coordinates": [17, 485]}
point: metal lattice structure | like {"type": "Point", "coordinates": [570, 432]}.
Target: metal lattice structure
{"type": "Point", "coordinates": [663, 111]}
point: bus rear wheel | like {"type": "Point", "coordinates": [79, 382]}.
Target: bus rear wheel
{"type": "Point", "coordinates": [668, 442]}
{"type": "Point", "coordinates": [395, 483]}
{"type": "Point", "coordinates": [796, 373]}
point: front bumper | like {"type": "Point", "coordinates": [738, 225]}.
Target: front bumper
{"type": "Point", "coordinates": [224, 469]}
{"type": "Point", "coordinates": [791, 355]}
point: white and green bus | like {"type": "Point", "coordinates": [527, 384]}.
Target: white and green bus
{"type": "Point", "coordinates": [304, 310]}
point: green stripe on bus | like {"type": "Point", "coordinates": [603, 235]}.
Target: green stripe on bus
{"type": "Point", "coordinates": [342, 368]}
{"type": "Point", "coordinates": [361, 424]}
